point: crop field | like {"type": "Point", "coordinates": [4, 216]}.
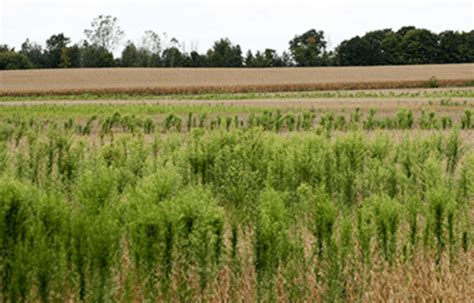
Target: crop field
{"type": "Point", "coordinates": [254, 196]}
{"type": "Point", "coordinates": [198, 81]}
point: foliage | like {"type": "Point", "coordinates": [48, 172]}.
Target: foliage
{"type": "Point", "coordinates": [233, 211]}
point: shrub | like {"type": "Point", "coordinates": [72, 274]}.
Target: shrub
{"type": "Point", "coordinates": [270, 241]}
{"type": "Point", "coordinates": [14, 60]}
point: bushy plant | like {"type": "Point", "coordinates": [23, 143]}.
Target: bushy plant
{"type": "Point", "coordinates": [270, 241]}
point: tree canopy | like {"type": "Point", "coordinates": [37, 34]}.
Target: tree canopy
{"type": "Point", "coordinates": [407, 45]}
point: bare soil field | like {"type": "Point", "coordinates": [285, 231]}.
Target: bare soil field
{"type": "Point", "coordinates": [187, 80]}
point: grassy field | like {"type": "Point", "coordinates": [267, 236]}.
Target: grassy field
{"type": "Point", "coordinates": [331, 196]}
{"type": "Point", "coordinates": [222, 80]}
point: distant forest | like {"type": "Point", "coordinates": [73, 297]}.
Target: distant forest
{"type": "Point", "coordinates": [408, 45]}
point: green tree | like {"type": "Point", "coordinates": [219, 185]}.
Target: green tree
{"type": "Point", "coordinates": [54, 49]}
{"type": "Point", "coordinates": [197, 60]}
{"type": "Point", "coordinates": [392, 48]}
{"type": "Point", "coordinates": [420, 47]}
{"type": "Point", "coordinates": [308, 49]}
{"type": "Point", "coordinates": [74, 53]}
{"type": "Point", "coordinates": [152, 47]}
{"type": "Point", "coordinates": [369, 49]}
{"type": "Point", "coordinates": [34, 52]}
{"type": "Point", "coordinates": [96, 56]}
{"type": "Point", "coordinates": [249, 59]}
{"type": "Point", "coordinates": [225, 54]}
{"type": "Point", "coordinates": [353, 52]}
{"type": "Point", "coordinates": [173, 57]}
{"type": "Point", "coordinates": [451, 47]}
{"type": "Point", "coordinates": [14, 60]}
{"type": "Point", "coordinates": [130, 55]}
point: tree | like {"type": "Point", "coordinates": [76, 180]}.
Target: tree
{"type": "Point", "coordinates": [6, 48]}
{"type": "Point", "coordinates": [65, 58]}
{"type": "Point", "coordinates": [392, 48]}
{"type": "Point", "coordinates": [75, 55]}
{"type": "Point", "coordinates": [197, 60]}
{"type": "Point", "coordinates": [267, 58]}
{"type": "Point", "coordinates": [172, 57]}
{"type": "Point", "coordinates": [405, 29]}
{"type": "Point", "coordinates": [451, 47]}
{"type": "Point", "coordinates": [420, 47]}
{"type": "Point", "coordinates": [130, 55]}
{"type": "Point", "coordinates": [287, 59]}
{"type": "Point", "coordinates": [355, 51]}
{"type": "Point", "coordinates": [13, 60]}
{"type": "Point", "coordinates": [370, 49]}
{"type": "Point", "coordinates": [307, 49]}
{"type": "Point", "coordinates": [54, 49]}
{"type": "Point", "coordinates": [95, 56]}
{"type": "Point", "coordinates": [152, 42]}
{"type": "Point", "coordinates": [151, 48]}
{"type": "Point", "coordinates": [468, 46]}
{"type": "Point", "coordinates": [249, 59]}
{"type": "Point", "coordinates": [105, 32]}
{"type": "Point", "coordinates": [225, 54]}
{"type": "Point", "coordinates": [35, 53]}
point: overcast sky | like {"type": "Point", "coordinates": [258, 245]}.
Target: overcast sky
{"type": "Point", "coordinates": [254, 24]}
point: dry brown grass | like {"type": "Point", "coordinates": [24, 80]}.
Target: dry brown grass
{"type": "Point", "coordinates": [418, 279]}
{"type": "Point", "coordinates": [197, 81]}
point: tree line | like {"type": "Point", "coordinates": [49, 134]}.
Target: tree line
{"type": "Point", "coordinates": [408, 45]}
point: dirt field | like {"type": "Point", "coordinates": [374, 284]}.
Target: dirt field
{"type": "Point", "coordinates": [185, 80]}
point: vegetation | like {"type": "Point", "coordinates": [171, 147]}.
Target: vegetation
{"type": "Point", "coordinates": [408, 45]}
{"type": "Point", "coordinates": [445, 94]}
{"type": "Point", "coordinates": [114, 205]}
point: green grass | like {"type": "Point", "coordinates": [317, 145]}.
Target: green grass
{"type": "Point", "coordinates": [72, 210]}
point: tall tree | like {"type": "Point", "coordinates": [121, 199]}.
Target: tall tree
{"type": "Point", "coordinates": [392, 48]}
{"type": "Point", "coordinates": [451, 47]}
{"type": "Point", "coordinates": [420, 46]}
{"type": "Point", "coordinates": [74, 53]}
{"type": "Point", "coordinates": [370, 49]}
{"type": "Point", "coordinates": [225, 54]}
{"type": "Point", "coordinates": [197, 60]}
{"type": "Point", "coordinates": [173, 57]}
{"type": "Point", "coordinates": [95, 56]}
{"type": "Point", "coordinates": [105, 32]}
{"type": "Point", "coordinates": [151, 41]}
{"type": "Point", "coordinates": [152, 47]}
{"type": "Point", "coordinates": [307, 49]}
{"type": "Point", "coordinates": [35, 53]}
{"type": "Point", "coordinates": [54, 48]}
{"type": "Point", "coordinates": [130, 55]}
{"type": "Point", "coordinates": [355, 51]}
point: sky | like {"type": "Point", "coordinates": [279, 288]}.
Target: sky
{"type": "Point", "coordinates": [253, 24]}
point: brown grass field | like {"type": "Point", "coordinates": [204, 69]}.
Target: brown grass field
{"type": "Point", "coordinates": [230, 80]}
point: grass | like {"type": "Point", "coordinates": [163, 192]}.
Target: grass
{"type": "Point", "coordinates": [246, 214]}
{"type": "Point", "coordinates": [211, 203]}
